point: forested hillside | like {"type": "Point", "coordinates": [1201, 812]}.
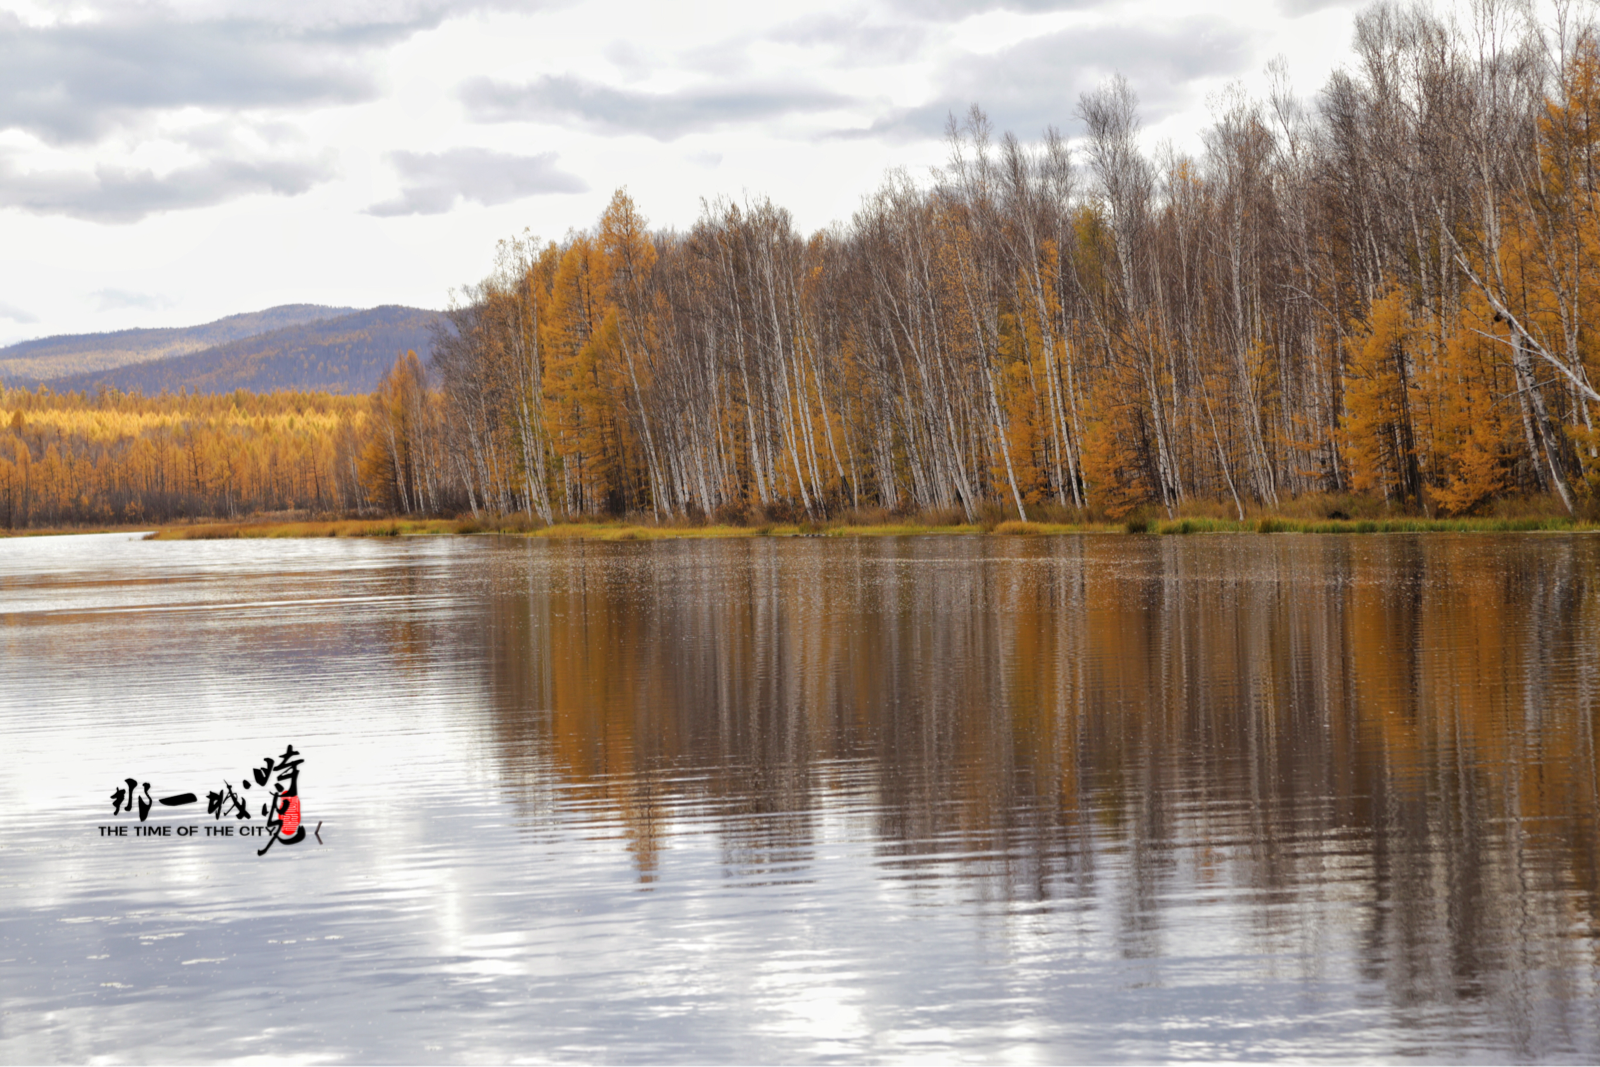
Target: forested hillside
{"type": "Point", "coordinates": [346, 354]}
{"type": "Point", "coordinates": [31, 362]}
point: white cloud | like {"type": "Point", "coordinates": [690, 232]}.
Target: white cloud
{"type": "Point", "coordinates": [397, 140]}
{"type": "Point", "coordinates": [117, 299]}
{"type": "Point", "coordinates": [116, 194]}
{"type": "Point", "coordinates": [16, 314]}
{"type": "Point", "coordinates": [77, 82]}
{"type": "Point", "coordinates": [1036, 83]}
{"type": "Point", "coordinates": [433, 183]}
{"type": "Point", "coordinates": [665, 116]}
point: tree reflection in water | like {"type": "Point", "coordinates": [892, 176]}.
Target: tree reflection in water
{"type": "Point", "coordinates": [1403, 727]}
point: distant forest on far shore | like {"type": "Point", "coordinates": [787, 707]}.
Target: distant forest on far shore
{"type": "Point", "coordinates": [1381, 294]}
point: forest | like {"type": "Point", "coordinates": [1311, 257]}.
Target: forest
{"type": "Point", "coordinates": [69, 459]}
{"type": "Point", "coordinates": [1379, 294]}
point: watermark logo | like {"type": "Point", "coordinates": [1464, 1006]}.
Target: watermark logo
{"type": "Point", "coordinates": [278, 781]}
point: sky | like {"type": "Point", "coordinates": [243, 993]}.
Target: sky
{"type": "Point", "coordinates": [166, 164]}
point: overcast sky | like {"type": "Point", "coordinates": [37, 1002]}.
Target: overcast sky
{"type": "Point", "coordinates": [170, 163]}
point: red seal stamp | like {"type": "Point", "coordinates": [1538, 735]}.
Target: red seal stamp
{"type": "Point", "coordinates": [289, 815]}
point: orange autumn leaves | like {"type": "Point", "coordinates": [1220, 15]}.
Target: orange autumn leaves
{"type": "Point", "coordinates": [118, 458]}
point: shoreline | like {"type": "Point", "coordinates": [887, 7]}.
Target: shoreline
{"type": "Point", "coordinates": [630, 531]}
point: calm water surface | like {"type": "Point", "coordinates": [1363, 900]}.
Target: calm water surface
{"type": "Point", "coordinates": [1114, 798]}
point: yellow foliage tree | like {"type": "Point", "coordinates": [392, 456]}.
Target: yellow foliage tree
{"type": "Point", "coordinates": [1379, 433]}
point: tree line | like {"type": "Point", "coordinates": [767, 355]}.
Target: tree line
{"type": "Point", "coordinates": [69, 458]}
{"type": "Point", "coordinates": [1383, 292]}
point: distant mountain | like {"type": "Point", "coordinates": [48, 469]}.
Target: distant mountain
{"type": "Point", "coordinates": [31, 362]}
{"type": "Point", "coordinates": [347, 354]}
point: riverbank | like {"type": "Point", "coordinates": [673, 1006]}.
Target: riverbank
{"type": "Point", "coordinates": [1311, 514]}
{"type": "Point", "coordinates": [586, 531]}
{"type": "Point", "coordinates": [626, 531]}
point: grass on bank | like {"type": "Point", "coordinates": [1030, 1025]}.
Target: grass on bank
{"type": "Point", "coordinates": [623, 531]}
{"type": "Point", "coordinates": [593, 530]}
{"type": "Point", "coordinates": [1313, 513]}
{"type": "Point", "coordinates": [1277, 524]}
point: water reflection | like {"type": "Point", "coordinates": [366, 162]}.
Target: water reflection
{"type": "Point", "coordinates": [1402, 727]}
{"type": "Point", "coordinates": [1074, 798]}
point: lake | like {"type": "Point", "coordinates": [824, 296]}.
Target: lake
{"type": "Point", "coordinates": [1106, 798]}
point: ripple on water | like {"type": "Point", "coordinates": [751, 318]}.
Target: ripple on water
{"type": "Point", "coordinates": [950, 798]}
